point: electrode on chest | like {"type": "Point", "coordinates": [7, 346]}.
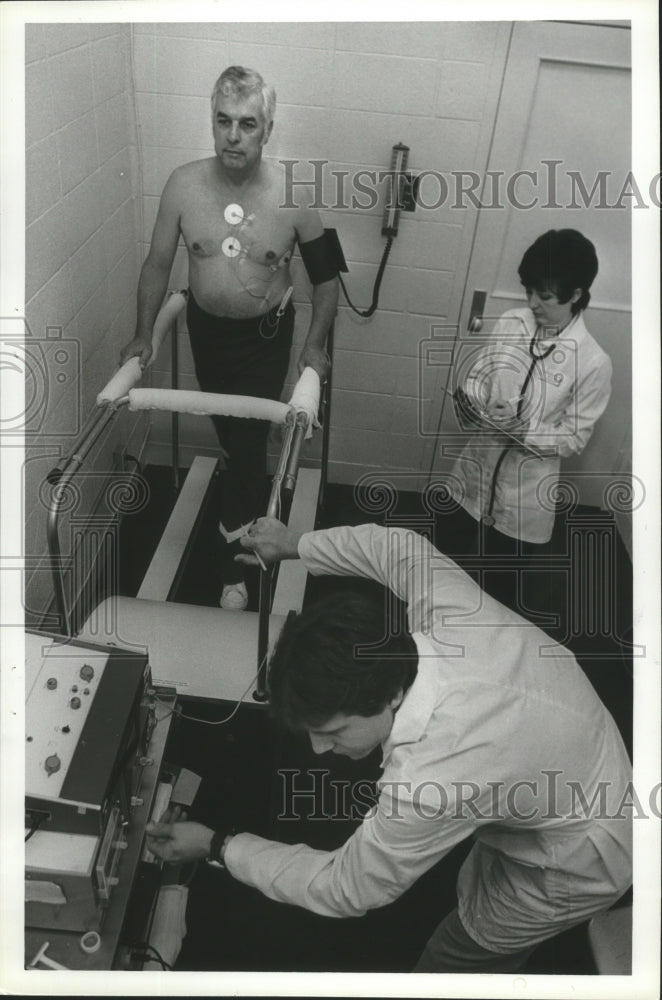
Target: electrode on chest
{"type": "Point", "coordinates": [233, 214]}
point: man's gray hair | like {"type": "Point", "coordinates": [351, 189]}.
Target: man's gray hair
{"type": "Point", "coordinates": [241, 81]}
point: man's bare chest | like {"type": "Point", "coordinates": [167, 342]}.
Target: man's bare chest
{"type": "Point", "coordinates": [218, 226]}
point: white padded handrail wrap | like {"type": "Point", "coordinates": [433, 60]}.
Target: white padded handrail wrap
{"type": "Point", "coordinates": [306, 397]}
{"type": "Point", "coordinates": [208, 404]}
{"type": "Point", "coordinates": [166, 317]}
{"type": "Point", "coordinates": [130, 373]}
{"type": "Point", "coordinates": [124, 379]}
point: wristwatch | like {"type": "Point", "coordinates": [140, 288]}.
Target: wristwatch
{"type": "Point", "coordinates": [219, 842]}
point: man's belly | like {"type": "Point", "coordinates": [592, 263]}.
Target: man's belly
{"type": "Point", "coordinates": [237, 288]}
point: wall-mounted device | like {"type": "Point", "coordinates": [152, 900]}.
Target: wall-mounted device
{"type": "Point", "coordinates": [402, 190]}
{"type": "Point", "coordinates": [88, 721]}
{"type": "Point", "coordinates": [401, 196]}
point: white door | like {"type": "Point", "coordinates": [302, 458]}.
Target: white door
{"type": "Point", "coordinates": [563, 117]}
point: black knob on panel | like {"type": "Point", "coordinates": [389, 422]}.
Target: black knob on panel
{"type": "Point", "coordinates": [52, 764]}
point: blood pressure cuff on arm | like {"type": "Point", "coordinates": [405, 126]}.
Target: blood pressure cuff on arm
{"type": "Point", "coordinates": [318, 259]}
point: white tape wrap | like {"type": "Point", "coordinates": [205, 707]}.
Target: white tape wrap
{"type": "Point", "coordinates": [166, 317]}
{"type": "Point", "coordinates": [90, 942]}
{"type": "Point", "coordinates": [306, 398]}
{"type": "Point", "coordinates": [124, 379]}
{"type": "Point", "coordinates": [130, 374]}
{"type": "Point", "coordinates": [208, 404]}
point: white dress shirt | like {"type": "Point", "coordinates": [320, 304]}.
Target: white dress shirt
{"type": "Point", "coordinates": [568, 391]}
{"type": "Point", "coordinates": [495, 704]}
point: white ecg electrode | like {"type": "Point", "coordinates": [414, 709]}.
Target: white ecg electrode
{"type": "Point", "coordinates": [234, 214]}
{"type": "Point", "coordinates": [231, 247]}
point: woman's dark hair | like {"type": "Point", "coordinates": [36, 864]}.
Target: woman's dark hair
{"type": "Point", "coordinates": [321, 666]}
{"type": "Point", "coordinates": [560, 261]}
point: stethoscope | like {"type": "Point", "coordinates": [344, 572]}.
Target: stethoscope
{"type": "Point", "coordinates": [487, 519]}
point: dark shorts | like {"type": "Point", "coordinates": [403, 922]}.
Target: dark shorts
{"type": "Point", "coordinates": [241, 357]}
{"type": "Point", "coordinates": [249, 357]}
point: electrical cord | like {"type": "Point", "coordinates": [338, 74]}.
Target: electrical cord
{"type": "Point", "coordinates": [36, 823]}
{"type": "Point", "coordinates": [212, 722]}
{"type": "Point", "coordinates": [173, 711]}
{"type": "Point", "coordinates": [222, 722]}
{"type": "Point", "coordinates": [288, 442]}
{"type": "Point", "coordinates": [365, 313]}
{"type": "Point", "coordinates": [145, 949]}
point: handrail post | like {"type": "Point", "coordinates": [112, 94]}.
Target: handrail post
{"type": "Point", "coordinates": [61, 476]}
{"type": "Point", "coordinates": [264, 610]}
{"type": "Point", "coordinates": [174, 380]}
{"type": "Point", "coordinates": [55, 555]}
{"type": "Point", "coordinates": [264, 607]}
{"type": "Point", "coordinates": [292, 468]}
{"type": "Point", "coordinates": [326, 420]}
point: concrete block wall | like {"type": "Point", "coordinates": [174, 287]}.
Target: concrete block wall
{"type": "Point", "coordinates": [347, 92]}
{"type": "Point", "coordinates": [82, 263]}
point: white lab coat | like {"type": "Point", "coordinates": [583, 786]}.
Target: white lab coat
{"type": "Point", "coordinates": [568, 392]}
{"type": "Point", "coordinates": [495, 704]}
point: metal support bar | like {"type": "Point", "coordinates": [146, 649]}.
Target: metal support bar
{"type": "Point", "coordinates": [95, 418]}
{"type": "Point", "coordinates": [326, 418]}
{"type": "Point", "coordinates": [61, 476]}
{"type": "Point", "coordinates": [264, 608]}
{"type": "Point", "coordinates": [290, 478]}
{"type": "Point", "coordinates": [290, 588]}
{"type": "Point", "coordinates": [286, 476]}
{"type": "Point", "coordinates": [174, 380]}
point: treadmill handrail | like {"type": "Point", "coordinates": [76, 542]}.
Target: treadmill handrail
{"type": "Point", "coordinates": [62, 475]}
{"type": "Point", "coordinates": [128, 375]}
{"type": "Point", "coordinates": [297, 416]}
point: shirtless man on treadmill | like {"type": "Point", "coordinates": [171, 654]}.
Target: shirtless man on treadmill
{"type": "Point", "coordinates": [227, 208]}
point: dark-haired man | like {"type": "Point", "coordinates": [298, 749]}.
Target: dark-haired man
{"type": "Point", "coordinates": [488, 730]}
{"type": "Point", "coordinates": [232, 211]}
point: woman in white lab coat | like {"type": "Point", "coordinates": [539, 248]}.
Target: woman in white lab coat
{"type": "Point", "coordinates": [532, 396]}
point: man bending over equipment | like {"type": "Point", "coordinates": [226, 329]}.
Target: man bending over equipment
{"type": "Point", "coordinates": [488, 730]}
{"type": "Point", "coordinates": [240, 317]}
